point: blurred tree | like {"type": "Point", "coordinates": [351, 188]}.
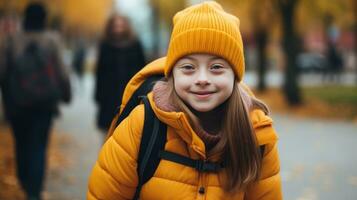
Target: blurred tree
{"type": "Point", "coordinates": [289, 42]}
{"type": "Point", "coordinates": [308, 12]}
{"type": "Point", "coordinates": [163, 11]}
{"type": "Point", "coordinates": [261, 36]}
{"type": "Point", "coordinates": [262, 16]}
{"type": "Point", "coordinates": [355, 31]}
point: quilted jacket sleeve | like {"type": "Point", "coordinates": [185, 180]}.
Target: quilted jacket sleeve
{"type": "Point", "coordinates": [269, 186]}
{"type": "Point", "coordinates": [114, 175]}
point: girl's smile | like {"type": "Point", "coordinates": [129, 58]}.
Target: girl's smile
{"type": "Point", "coordinates": [203, 94]}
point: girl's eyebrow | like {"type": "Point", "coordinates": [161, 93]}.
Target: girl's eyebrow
{"type": "Point", "coordinates": [210, 59]}
{"type": "Point", "coordinates": [190, 58]}
{"type": "Point", "coordinates": [215, 58]}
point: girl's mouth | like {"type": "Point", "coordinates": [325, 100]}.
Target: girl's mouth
{"type": "Point", "coordinates": [202, 95]}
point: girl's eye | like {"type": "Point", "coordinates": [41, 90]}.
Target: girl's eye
{"type": "Point", "coordinates": [187, 67]}
{"type": "Point", "coordinates": [216, 67]}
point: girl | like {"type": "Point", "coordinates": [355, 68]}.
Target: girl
{"type": "Point", "coordinates": [209, 116]}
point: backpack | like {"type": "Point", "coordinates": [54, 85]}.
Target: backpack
{"type": "Point", "coordinates": [33, 79]}
{"type": "Point", "coordinates": [153, 140]}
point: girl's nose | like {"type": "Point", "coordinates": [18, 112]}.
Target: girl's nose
{"type": "Point", "coordinates": [202, 82]}
{"type": "Point", "coordinates": [202, 79]}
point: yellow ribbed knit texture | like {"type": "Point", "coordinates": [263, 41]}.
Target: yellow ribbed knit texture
{"type": "Point", "coordinates": [206, 28]}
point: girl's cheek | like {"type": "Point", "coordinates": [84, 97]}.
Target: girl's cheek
{"type": "Point", "coordinates": [179, 84]}
{"type": "Point", "coordinates": [221, 80]}
{"type": "Point", "coordinates": [183, 80]}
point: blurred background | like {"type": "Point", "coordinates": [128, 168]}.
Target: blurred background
{"type": "Point", "coordinates": [300, 59]}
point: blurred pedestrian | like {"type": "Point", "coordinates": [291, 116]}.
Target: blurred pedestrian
{"type": "Point", "coordinates": [79, 63]}
{"type": "Point", "coordinates": [34, 84]}
{"type": "Point", "coordinates": [334, 57]}
{"type": "Point", "coordinates": [9, 25]}
{"type": "Point", "coordinates": [120, 57]}
{"type": "Point", "coordinates": [219, 143]}
{"type": "Point", "coordinates": [79, 55]}
{"type": "Point", "coordinates": [334, 63]}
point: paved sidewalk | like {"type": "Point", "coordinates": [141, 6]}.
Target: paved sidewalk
{"type": "Point", "coordinates": [317, 158]}
{"type": "Point", "coordinates": [77, 123]}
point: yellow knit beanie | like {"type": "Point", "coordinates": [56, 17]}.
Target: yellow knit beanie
{"type": "Point", "coordinates": [206, 28]}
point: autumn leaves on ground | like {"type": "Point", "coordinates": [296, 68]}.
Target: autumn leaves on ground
{"type": "Point", "coordinates": [10, 189]}
{"type": "Point", "coordinates": [325, 102]}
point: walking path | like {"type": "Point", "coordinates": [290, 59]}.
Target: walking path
{"type": "Point", "coordinates": [77, 124]}
{"type": "Point", "coordinates": [317, 158]}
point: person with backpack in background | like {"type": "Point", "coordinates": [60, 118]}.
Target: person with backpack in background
{"type": "Point", "coordinates": [120, 57]}
{"type": "Point", "coordinates": [35, 82]}
{"type": "Point", "coordinates": [200, 133]}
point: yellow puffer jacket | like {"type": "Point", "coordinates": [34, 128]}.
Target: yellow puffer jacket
{"type": "Point", "coordinates": [114, 175]}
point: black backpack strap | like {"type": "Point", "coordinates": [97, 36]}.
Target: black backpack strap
{"type": "Point", "coordinates": [134, 100]}
{"type": "Point", "coordinates": [262, 149]}
{"type": "Point", "coordinates": [199, 165]}
{"type": "Point", "coordinates": [152, 142]}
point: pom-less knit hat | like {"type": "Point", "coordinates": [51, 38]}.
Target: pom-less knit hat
{"type": "Point", "coordinates": [206, 28]}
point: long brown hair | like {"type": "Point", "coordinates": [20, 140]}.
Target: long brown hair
{"type": "Point", "coordinates": [238, 144]}
{"type": "Point", "coordinates": [126, 37]}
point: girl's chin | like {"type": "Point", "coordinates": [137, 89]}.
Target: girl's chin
{"type": "Point", "coordinates": [203, 108]}
{"type": "Point", "coordinates": [214, 109]}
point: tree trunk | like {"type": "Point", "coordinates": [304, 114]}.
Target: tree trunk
{"type": "Point", "coordinates": [290, 87]}
{"type": "Point", "coordinates": [355, 30]}
{"type": "Point", "coordinates": [262, 58]}
{"type": "Point", "coordinates": [155, 33]}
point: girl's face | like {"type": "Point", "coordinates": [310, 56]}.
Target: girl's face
{"type": "Point", "coordinates": [203, 81]}
{"type": "Point", "coordinates": [119, 25]}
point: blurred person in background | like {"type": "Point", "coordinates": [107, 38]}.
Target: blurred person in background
{"type": "Point", "coordinates": [79, 58]}
{"type": "Point", "coordinates": [335, 63]}
{"type": "Point", "coordinates": [78, 62]}
{"type": "Point", "coordinates": [9, 24]}
{"type": "Point", "coordinates": [120, 57]}
{"type": "Point", "coordinates": [35, 82]}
